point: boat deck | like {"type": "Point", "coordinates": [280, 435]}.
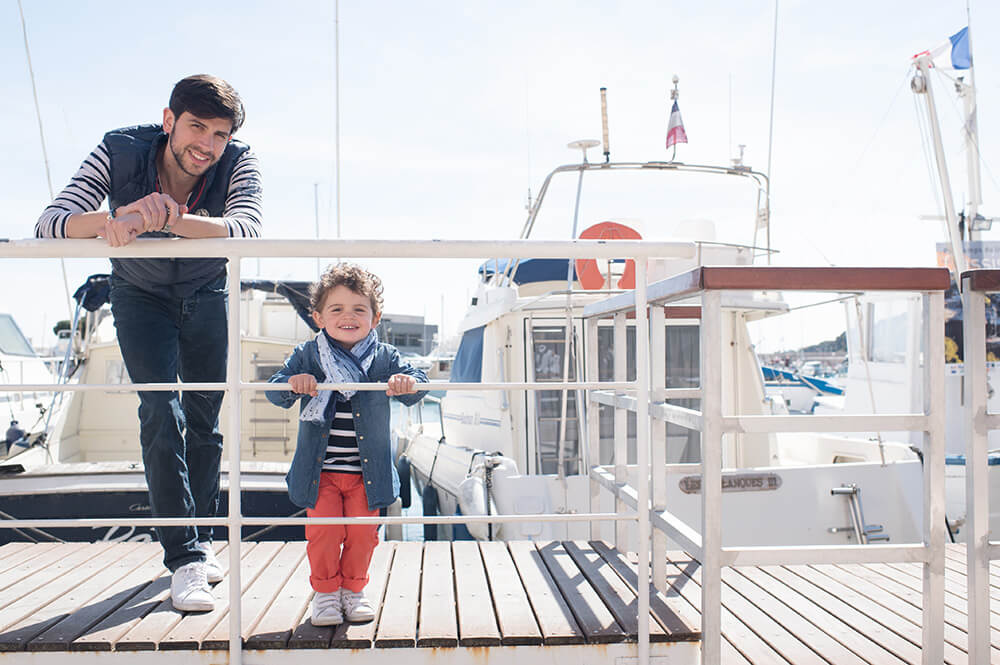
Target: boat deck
{"type": "Point", "coordinates": [520, 599]}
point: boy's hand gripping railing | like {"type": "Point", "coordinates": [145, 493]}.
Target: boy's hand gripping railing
{"type": "Point", "coordinates": [709, 284]}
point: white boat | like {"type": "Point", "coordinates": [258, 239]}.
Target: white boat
{"type": "Point", "coordinates": [524, 450]}
{"type": "Point", "coordinates": [25, 414]}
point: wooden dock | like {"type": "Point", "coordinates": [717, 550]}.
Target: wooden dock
{"type": "Point", "coordinates": [509, 602]}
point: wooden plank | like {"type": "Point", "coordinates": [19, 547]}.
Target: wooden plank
{"type": "Point", "coordinates": [617, 596]}
{"type": "Point", "coordinates": [40, 609]}
{"type": "Point", "coordinates": [88, 603]}
{"type": "Point", "coordinates": [438, 621]}
{"type": "Point", "coordinates": [597, 623]}
{"type": "Point", "coordinates": [752, 649]}
{"type": "Point", "coordinates": [46, 584]}
{"type": "Point", "coordinates": [290, 607]}
{"type": "Point", "coordinates": [770, 600]}
{"type": "Point", "coordinates": [195, 627]}
{"type": "Point", "coordinates": [257, 596]}
{"type": "Point", "coordinates": [515, 617]}
{"type": "Point", "coordinates": [477, 622]}
{"type": "Point", "coordinates": [678, 618]}
{"type": "Point", "coordinates": [832, 625]}
{"type": "Point", "coordinates": [33, 571]}
{"type": "Point", "coordinates": [398, 624]}
{"type": "Point", "coordinates": [82, 624]}
{"type": "Point", "coordinates": [894, 633]}
{"type": "Point", "coordinates": [777, 636]}
{"type": "Point", "coordinates": [555, 619]}
{"type": "Point", "coordinates": [9, 550]}
{"type": "Point", "coordinates": [153, 586]}
{"type": "Point", "coordinates": [892, 603]}
{"type": "Point", "coordinates": [362, 635]}
{"type": "Point", "coordinates": [145, 633]}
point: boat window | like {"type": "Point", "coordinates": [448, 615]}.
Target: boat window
{"type": "Point", "coordinates": [468, 364]}
{"type": "Point", "coordinates": [886, 331]}
{"type": "Point", "coordinates": [548, 346]}
{"type": "Point", "coordinates": [12, 340]}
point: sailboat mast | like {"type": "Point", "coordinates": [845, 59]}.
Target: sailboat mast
{"type": "Point", "coordinates": [921, 85]}
{"type": "Point", "coordinates": [967, 91]}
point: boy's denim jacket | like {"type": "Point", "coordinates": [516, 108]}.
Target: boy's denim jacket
{"type": "Point", "coordinates": [371, 422]}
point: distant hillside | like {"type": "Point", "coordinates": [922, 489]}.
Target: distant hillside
{"type": "Point", "coordinates": [838, 345]}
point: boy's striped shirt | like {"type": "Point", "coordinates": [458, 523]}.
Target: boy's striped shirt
{"type": "Point", "coordinates": [342, 454]}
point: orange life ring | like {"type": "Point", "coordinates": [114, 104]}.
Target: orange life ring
{"type": "Point", "coordinates": [587, 271]}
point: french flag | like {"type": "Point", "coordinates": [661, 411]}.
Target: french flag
{"type": "Point", "coordinates": [675, 128]}
{"type": "Point", "coordinates": [951, 54]}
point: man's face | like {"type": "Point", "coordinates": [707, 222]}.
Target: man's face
{"type": "Point", "coordinates": [196, 143]}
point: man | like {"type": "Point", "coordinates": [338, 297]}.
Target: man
{"type": "Point", "coordinates": [186, 178]}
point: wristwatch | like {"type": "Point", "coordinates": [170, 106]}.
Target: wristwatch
{"type": "Point", "coordinates": [167, 226]}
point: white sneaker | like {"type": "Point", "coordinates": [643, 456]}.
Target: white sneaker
{"type": "Point", "coordinates": [326, 609]}
{"type": "Point", "coordinates": [189, 588]}
{"type": "Point", "coordinates": [357, 609]}
{"type": "Point", "coordinates": [213, 569]}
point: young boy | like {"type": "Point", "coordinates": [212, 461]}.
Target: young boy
{"type": "Point", "coordinates": [343, 462]}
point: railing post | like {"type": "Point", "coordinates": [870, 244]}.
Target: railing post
{"type": "Point", "coordinates": [976, 460]}
{"type": "Point", "coordinates": [621, 427]}
{"type": "Point", "coordinates": [934, 515]}
{"type": "Point", "coordinates": [233, 377]}
{"type": "Point", "coordinates": [658, 439]}
{"type": "Point", "coordinates": [591, 370]}
{"type": "Point", "coordinates": [711, 477]}
{"type": "Point", "coordinates": [642, 452]}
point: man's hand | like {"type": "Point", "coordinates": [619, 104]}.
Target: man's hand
{"type": "Point", "coordinates": [401, 384]}
{"type": "Point", "coordinates": [304, 384]}
{"type": "Point", "coordinates": [156, 210]}
{"type": "Point", "coordinates": [122, 230]}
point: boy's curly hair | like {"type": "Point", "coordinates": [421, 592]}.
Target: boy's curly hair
{"type": "Point", "coordinates": [352, 276]}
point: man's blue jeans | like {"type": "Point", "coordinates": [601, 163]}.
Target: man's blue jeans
{"type": "Point", "coordinates": [162, 338]}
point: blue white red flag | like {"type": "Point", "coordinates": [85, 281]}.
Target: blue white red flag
{"type": "Point", "coordinates": [675, 128]}
{"type": "Point", "coordinates": [951, 54]}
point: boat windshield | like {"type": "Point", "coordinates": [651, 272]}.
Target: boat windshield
{"type": "Point", "coordinates": [12, 340]}
{"type": "Point", "coordinates": [660, 203]}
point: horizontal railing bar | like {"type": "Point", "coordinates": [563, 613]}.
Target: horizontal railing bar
{"type": "Point", "coordinates": [301, 521]}
{"type": "Point", "coordinates": [912, 422]}
{"type": "Point", "coordinates": [677, 415]}
{"type": "Point", "coordinates": [260, 386]}
{"type": "Point", "coordinates": [355, 248]}
{"type": "Point", "coordinates": [989, 421]}
{"type": "Point", "coordinates": [818, 554]}
{"type": "Point", "coordinates": [684, 535]}
{"type": "Point", "coordinates": [993, 550]}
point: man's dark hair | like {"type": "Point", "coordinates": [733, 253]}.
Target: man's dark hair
{"type": "Point", "coordinates": [207, 96]}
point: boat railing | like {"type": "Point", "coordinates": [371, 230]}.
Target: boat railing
{"type": "Point", "coordinates": [710, 285]}
{"type": "Point", "coordinates": [236, 249]}
{"type": "Point", "coordinates": [980, 550]}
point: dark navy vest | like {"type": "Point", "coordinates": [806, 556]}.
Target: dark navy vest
{"type": "Point", "coordinates": [133, 175]}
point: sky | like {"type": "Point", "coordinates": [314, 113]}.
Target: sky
{"type": "Point", "coordinates": [451, 111]}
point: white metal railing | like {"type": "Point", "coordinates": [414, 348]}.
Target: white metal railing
{"type": "Point", "coordinates": [236, 249]}
{"type": "Point", "coordinates": [706, 546]}
{"type": "Point", "coordinates": [979, 422]}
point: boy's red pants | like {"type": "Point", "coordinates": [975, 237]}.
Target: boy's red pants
{"type": "Point", "coordinates": [339, 555]}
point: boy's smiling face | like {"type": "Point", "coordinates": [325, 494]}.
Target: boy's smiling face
{"type": "Point", "coordinates": [346, 316]}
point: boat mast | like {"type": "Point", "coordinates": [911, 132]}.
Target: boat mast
{"type": "Point", "coordinates": [921, 85]}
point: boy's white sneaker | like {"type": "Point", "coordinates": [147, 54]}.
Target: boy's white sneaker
{"type": "Point", "coordinates": [213, 569]}
{"type": "Point", "coordinates": [189, 590]}
{"type": "Point", "coordinates": [326, 610]}
{"type": "Point", "coordinates": [357, 609]}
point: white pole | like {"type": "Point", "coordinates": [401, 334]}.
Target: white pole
{"type": "Point", "coordinates": [954, 234]}
{"type": "Point", "coordinates": [711, 473]}
{"type": "Point", "coordinates": [934, 514]}
{"type": "Point", "coordinates": [976, 469]}
{"type": "Point", "coordinates": [235, 439]}
{"type": "Point", "coordinates": [642, 452]}
{"type": "Point", "coordinates": [336, 107]}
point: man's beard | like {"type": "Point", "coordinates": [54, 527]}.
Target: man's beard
{"type": "Point", "coordinates": [180, 162]}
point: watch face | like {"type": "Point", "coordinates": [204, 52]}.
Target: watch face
{"type": "Point", "coordinates": [202, 212]}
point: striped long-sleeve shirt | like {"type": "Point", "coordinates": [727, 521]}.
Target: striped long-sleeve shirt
{"type": "Point", "coordinates": [92, 182]}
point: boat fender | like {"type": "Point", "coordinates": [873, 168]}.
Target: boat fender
{"type": "Point", "coordinates": [472, 501]}
{"type": "Point", "coordinates": [429, 499]}
{"type": "Point", "coordinates": [403, 469]}
{"type": "Point", "coordinates": [588, 273]}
